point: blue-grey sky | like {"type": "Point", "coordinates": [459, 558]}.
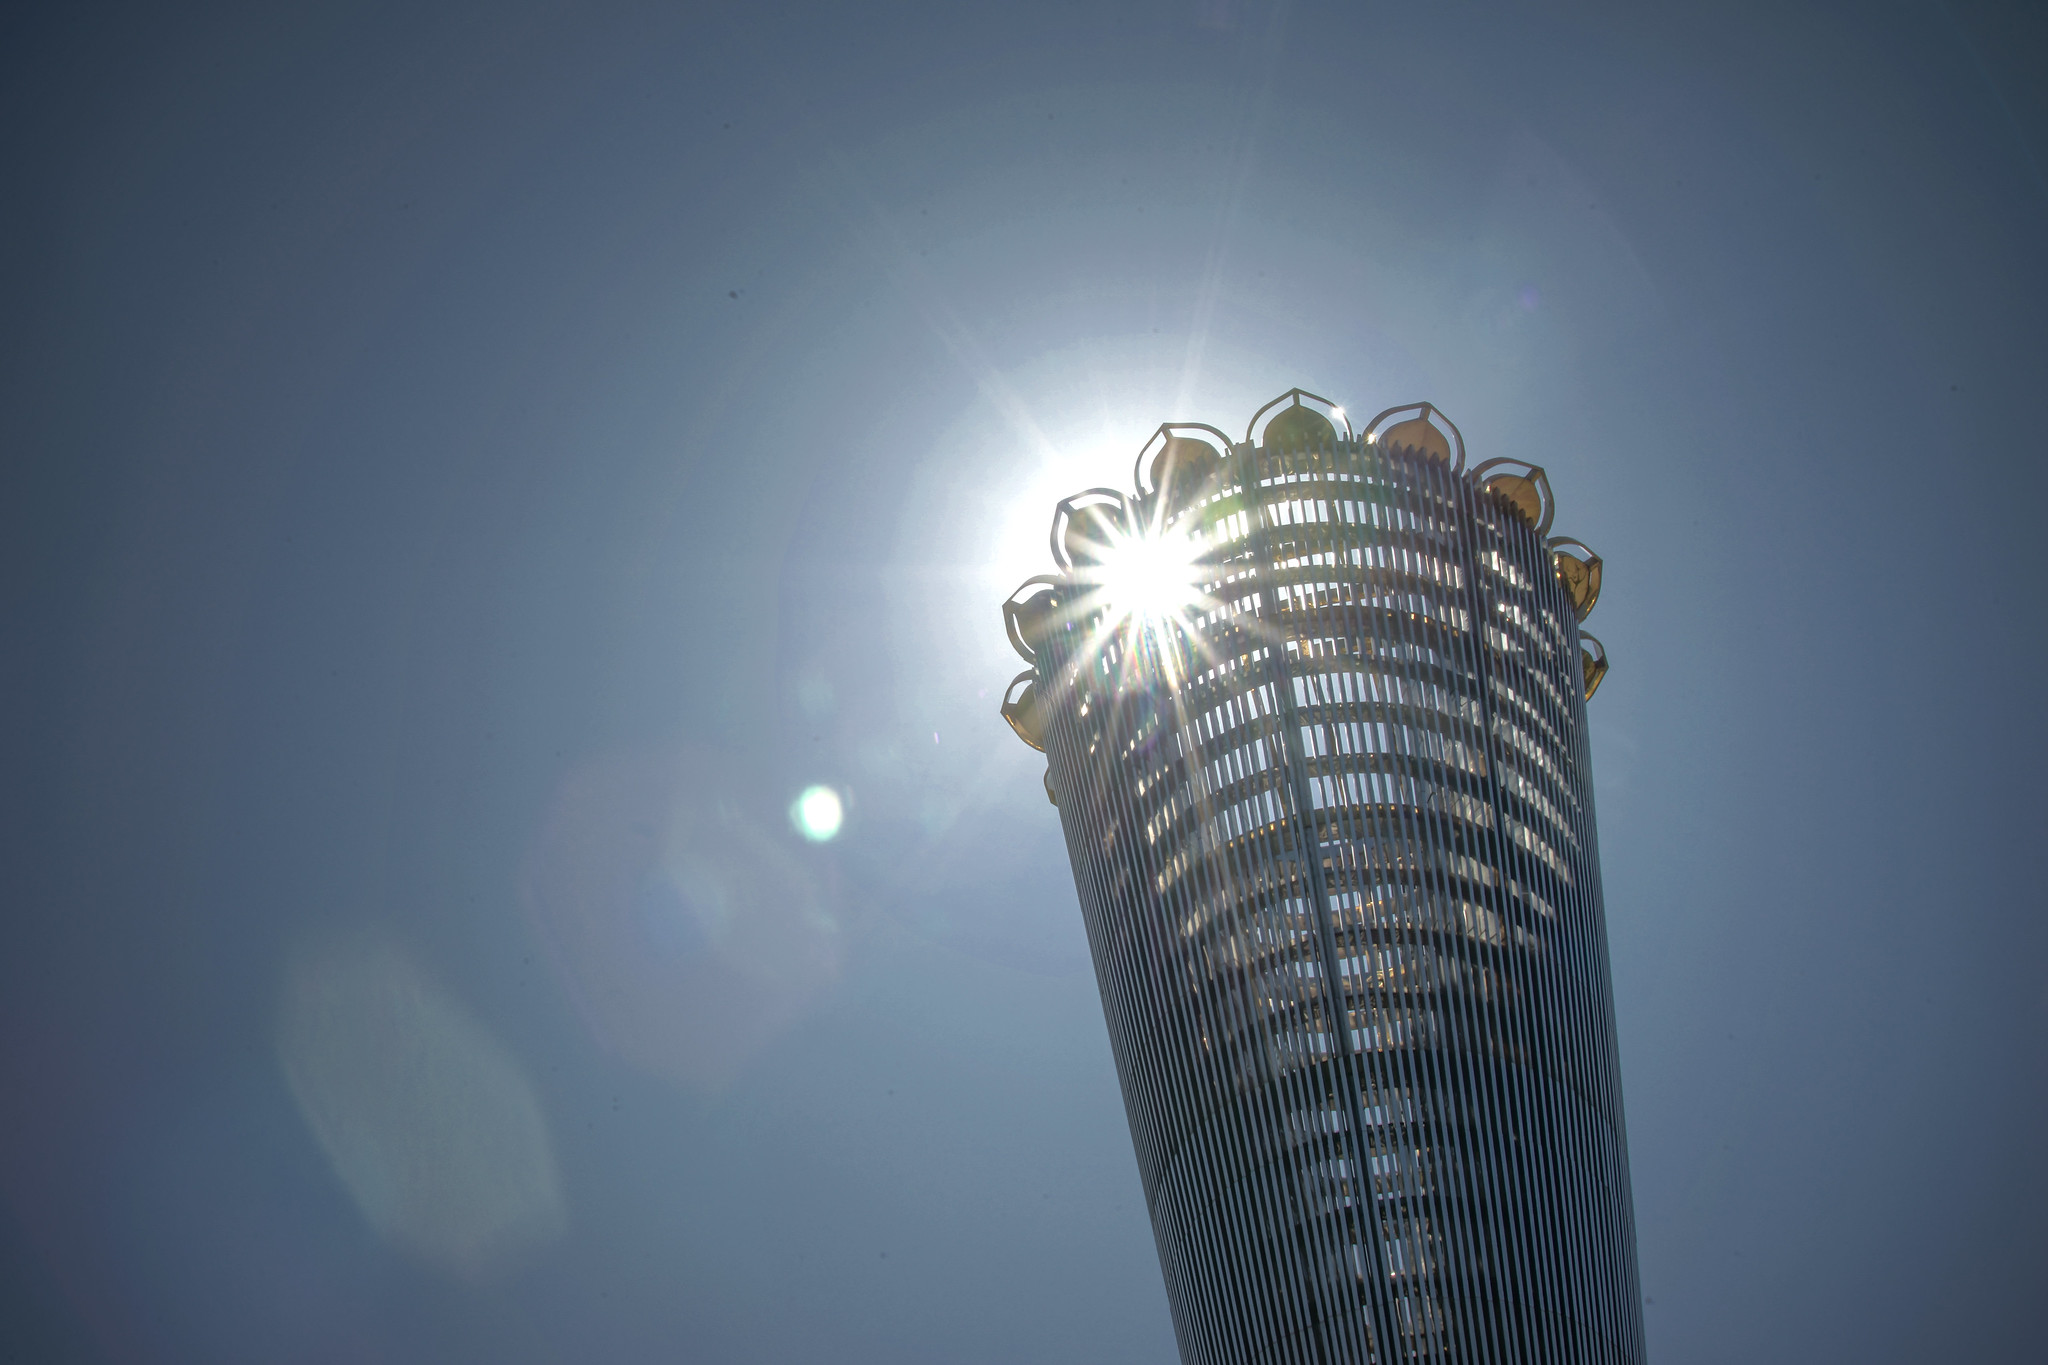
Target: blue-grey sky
{"type": "Point", "coordinates": [467, 469]}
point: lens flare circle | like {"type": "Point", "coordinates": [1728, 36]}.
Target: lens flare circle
{"type": "Point", "coordinates": [817, 814]}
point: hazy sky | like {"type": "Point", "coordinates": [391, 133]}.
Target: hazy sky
{"type": "Point", "coordinates": [466, 472]}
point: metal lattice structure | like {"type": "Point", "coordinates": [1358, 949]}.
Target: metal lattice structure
{"type": "Point", "coordinates": [1331, 821]}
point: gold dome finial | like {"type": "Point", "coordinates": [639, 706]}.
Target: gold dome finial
{"type": "Point", "coordinates": [1423, 430]}
{"type": "Point", "coordinates": [1306, 421]}
{"type": "Point", "coordinates": [1524, 487]}
{"type": "Point", "coordinates": [1020, 708]}
{"type": "Point", "coordinates": [1592, 662]}
{"type": "Point", "coordinates": [1177, 467]}
{"type": "Point", "coordinates": [1578, 568]}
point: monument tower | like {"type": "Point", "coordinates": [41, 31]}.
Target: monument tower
{"type": "Point", "coordinates": [1314, 711]}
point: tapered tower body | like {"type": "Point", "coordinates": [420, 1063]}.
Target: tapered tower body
{"type": "Point", "coordinates": [1313, 705]}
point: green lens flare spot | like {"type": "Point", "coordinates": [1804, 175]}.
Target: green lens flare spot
{"type": "Point", "coordinates": [818, 814]}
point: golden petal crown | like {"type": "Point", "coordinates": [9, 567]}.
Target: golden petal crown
{"type": "Point", "coordinates": [1182, 463]}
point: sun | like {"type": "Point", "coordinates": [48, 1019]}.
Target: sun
{"type": "Point", "coordinates": [1150, 575]}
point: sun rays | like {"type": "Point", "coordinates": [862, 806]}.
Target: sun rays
{"type": "Point", "coordinates": [1141, 582]}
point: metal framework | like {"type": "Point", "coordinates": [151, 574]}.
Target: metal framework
{"type": "Point", "coordinates": [1331, 822]}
